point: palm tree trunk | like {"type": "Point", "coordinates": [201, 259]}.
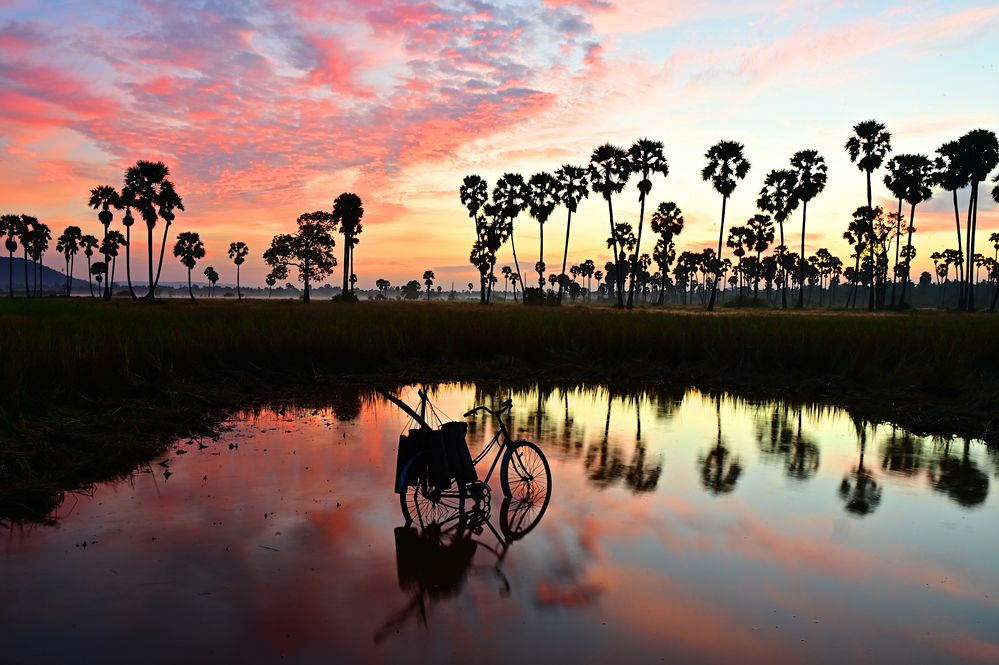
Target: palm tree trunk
{"type": "Point", "coordinates": [190, 291]}
{"type": "Point", "coordinates": [114, 263]}
{"type": "Point", "coordinates": [565, 254]}
{"type": "Point", "coordinates": [239, 294]}
{"type": "Point", "coordinates": [617, 262]}
{"type": "Point", "coordinates": [106, 293]}
{"type": "Point", "coordinates": [128, 261]}
{"type": "Point", "coordinates": [957, 223]}
{"type": "Point", "coordinates": [898, 243]}
{"type": "Point", "coordinates": [10, 274]}
{"type": "Point", "coordinates": [638, 248]}
{"type": "Point", "coordinates": [801, 269]}
{"type": "Point", "coordinates": [516, 263]}
{"type": "Point", "coordinates": [67, 276]}
{"type": "Point", "coordinates": [870, 206]}
{"type": "Point", "coordinates": [305, 274]}
{"type": "Point", "coordinates": [27, 290]}
{"type": "Point", "coordinates": [971, 249]}
{"type": "Point", "coordinates": [721, 235]}
{"type": "Point", "coordinates": [152, 288]}
{"type": "Point", "coordinates": [908, 251]}
{"type": "Point", "coordinates": [166, 228]}
{"type": "Point", "coordinates": [90, 278]}
{"type": "Point", "coordinates": [541, 257]}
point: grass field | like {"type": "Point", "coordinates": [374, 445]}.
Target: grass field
{"type": "Point", "coordinates": [113, 379]}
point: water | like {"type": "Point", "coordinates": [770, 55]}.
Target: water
{"type": "Point", "coordinates": [803, 537]}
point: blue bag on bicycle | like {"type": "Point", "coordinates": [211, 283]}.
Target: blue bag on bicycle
{"type": "Point", "coordinates": [459, 459]}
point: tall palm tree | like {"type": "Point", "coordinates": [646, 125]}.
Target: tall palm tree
{"type": "Point", "coordinates": [542, 197]}
{"type": "Point", "coordinates": [428, 279]}
{"type": "Point", "coordinates": [104, 198]}
{"type": "Point", "coordinates": [811, 171]}
{"type": "Point", "coordinates": [980, 152]}
{"type": "Point", "coordinates": [189, 249]}
{"type": "Point", "coordinates": [10, 226]}
{"type": "Point", "coordinates": [347, 212]}
{"type": "Point", "coordinates": [112, 242]}
{"type": "Point", "coordinates": [910, 178]}
{"type": "Point", "coordinates": [237, 253]}
{"type": "Point", "coordinates": [89, 243]}
{"type": "Point", "coordinates": [31, 240]}
{"type": "Point", "coordinates": [667, 222]}
{"type": "Point", "coordinates": [270, 281]}
{"type": "Point", "coordinates": [510, 197]}
{"type": "Point", "coordinates": [779, 197]}
{"type": "Point", "coordinates": [951, 175]}
{"type": "Point", "coordinates": [647, 159]}
{"type": "Point", "coordinates": [609, 172]}
{"type": "Point", "coordinates": [128, 202]}
{"type": "Point", "coordinates": [726, 166]}
{"type": "Point", "coordinates": [155, 197]}
{"type": "Point", "coordinates": [68, 244]}
{"type": "Point", "coordinates": [573, 187]}
{"type": "Point", "coordinates": [868, 147]}
{"type": "Point", "coordinates": [474, 194]}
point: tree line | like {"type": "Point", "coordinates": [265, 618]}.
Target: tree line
{"type": "Point", "coordinates": [964, 163]}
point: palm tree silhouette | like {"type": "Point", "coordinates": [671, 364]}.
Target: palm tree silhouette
{"type": "Point", "coordinates": [980, 156]}
{"type": "Point", "coordinates": [726, 166]}
{"type": "Point", "coordinates": [810, 169]}
{"type": "Point", "coordinates": [859, 489]}
{"type": "Point", "coordinates": [573, 187]}
{"type": "Point", "coordinates": [127, 202]}
{"type": "Point", "coordinates": [189, 249]}
{"type": "Point", "coordinates": [960, 479]}
{"type": "Point", "coordinates": [510, 198]}
{"type": "Point", "coordinates": [646, 158]}
{"type": "Point", "coordinates": [909, 178]}
{"type": "Point", "coordinates": [38, 239]}
{"type": "Point", "coordinates": [779, 197]}
{"type": "Point", "coordinates": [868, 147]}
{"type": "Point", "coordinates": [720, 469]}
{"type": "Point", "coordinates": [154, 196]}
{"type": "Point", "coordinates": [428, 279]}
{"type": "Point", "coordinates": [474, 194]}
{"type": "Point", "coordinates": [104, 198]}
{"type": "Point", "coordinates": [112, 242]}
{"type": "Point", "coordinates": [237, 253]}
{"type": "Point", "coordinates": [26, 225]}
{"type": "Point", "coordinates": [68, 244]}
{"type": "Point", "coordinates": [951, 175]}
{"type": "Point", "coordinates": [542, 198]}
{"type": "Point", "coordinates": [609, 172]}
{"type": "Point", "coordinates": [212, 276]}
{"type": "Point", "coordinates": [667, 222]}
{"type": "Point", "coordinates": [270, 281]}
{"type": "Point", "coordinates": [10, 226]}
{"type": "Point", "coordinates": [347, 212]}
{"type": "Point", "coordinates": [89, 244]}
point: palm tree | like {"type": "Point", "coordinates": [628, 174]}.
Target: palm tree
{"type": "Point", "coordinates": [510, 196]}
{"type": "Point", "coordinates": [726, 166]}
{"type": "Point", "coordinates": [779, 197]}
{"type": "Point", "coordinates": [646, 158]}
{"type": "Point", "coordinates": [237, 253]}
{"type": "Point", "coordinates": [951, 175]}
{"type": "Point", "coordinates": [25, 226]}
{"type": "Point", "coordinates": [10, 225]}
{"type": "Point", "coordinates": [212, 276]}
{"type": "Point", "coordinates": [910, 178]}
{"type": "Point", "coordinates": [868, 147]}
{"type": "Point", "coordinates": [980, 156]}
{"type": "Point", "coordinates": [112, 242]}
{"type": "Point", "coordinates": [189, 249]}
{"type": "Point", "coordinates": [37, 243]}
{"type": "Point", "coordinates": [68, 244]}
{"type": "Point", "coordinates": [506, 271]}
{"type": "Point", "coordinates": [542, 197]}
{"type": "Point", "coordinates": [573, 187]}
{"type": "Point", "coordinates": [128, 202]}
{"type": "Point", "coordinates": [609, 172]}
{"type": "Point", "coordinates": [428, 279]}
{"type": "Point", "coordinates": [104, 198]}
{"type": "Point", "coordinates": [270, 281]}
{"type": "Point", "coordinates": [154, 196]}
{"type": "Point", "coordinates": [89, 244]}
{"type": "Point", "coordinates": [810, 170]}
{"type": "Point", "coordinates": [347, 212]}
{"type": "Point", "coordinates": [667, 222]}
{"type": "Point", "coordinates": [761, 234]}
{"type": "Point", "coordinates": [474, 194]}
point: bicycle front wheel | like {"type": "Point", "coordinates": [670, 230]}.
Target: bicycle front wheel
{"type": "Point", "coordinates": [525, 474]}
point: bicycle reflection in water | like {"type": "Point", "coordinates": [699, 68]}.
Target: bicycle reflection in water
{"type": "Point", "coordinates": [436, 548]}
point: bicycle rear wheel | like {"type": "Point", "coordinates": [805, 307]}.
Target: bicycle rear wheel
{"type": "Point", "coordinates": [425, 505]}
{"type": "Point", "coordinates": [525, 474]}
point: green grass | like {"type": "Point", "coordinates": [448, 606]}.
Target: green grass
{"type": "Point", "coordinates": [88, 382]}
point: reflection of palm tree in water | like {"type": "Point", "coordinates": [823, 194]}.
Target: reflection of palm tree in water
{"type": "Point", "coordinates": [800, 454]}
{"type": "Point", "coordinates": [803, 461]}
{"type": "Point", "coordinates": [720, 469]}
{"type": "Point", "coordinates": [903, 454]}
{"type": "Point", "coordinates": [604, 463]}
{"type": "Point", "coordinates": [960, 478]}
{"type": "Point", "coordinates": [859, 489]}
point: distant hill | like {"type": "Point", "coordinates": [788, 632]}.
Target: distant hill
{"type": "Point", "coordinates": [52, 280]}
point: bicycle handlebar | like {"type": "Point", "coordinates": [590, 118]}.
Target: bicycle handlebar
{"type": "Point", "coordinates": [504, 407]}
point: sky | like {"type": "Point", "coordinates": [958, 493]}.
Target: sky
{"type": "Point", "coordinates": [265, 109]}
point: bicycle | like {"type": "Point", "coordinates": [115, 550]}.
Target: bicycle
{"type": "Point", "coordinates": [525, 478]}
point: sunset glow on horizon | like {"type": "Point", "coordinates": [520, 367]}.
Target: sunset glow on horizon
{"type": "Point", "coordinates": [265, 109]}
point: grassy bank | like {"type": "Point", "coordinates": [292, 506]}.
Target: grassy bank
{"type": "Point", "coordinates": [111, 378]}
